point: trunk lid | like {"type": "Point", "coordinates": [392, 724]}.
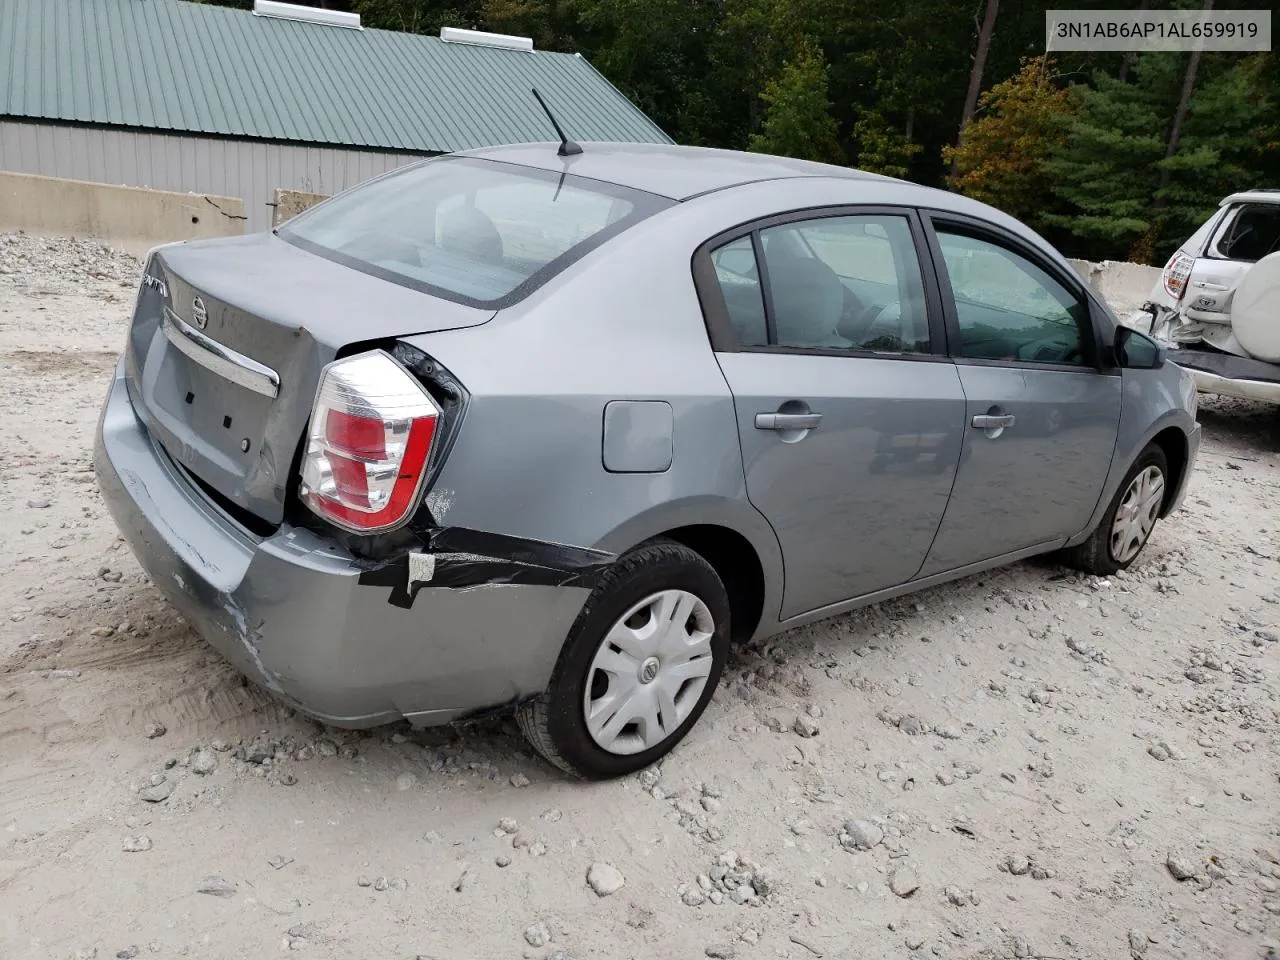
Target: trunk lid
{"type": "Point", "coordinates": [226, 347]}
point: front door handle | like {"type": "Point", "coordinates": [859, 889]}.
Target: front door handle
{"type": "Point", "coordinates": [989, 421]}
{"type": "Point", "coordinates": [787, 421]}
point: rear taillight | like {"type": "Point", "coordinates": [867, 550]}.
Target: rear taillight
{"type": "Point", "coordinates": [369, 443]}
{"type": "Point", "coordinates": [1175, 274]}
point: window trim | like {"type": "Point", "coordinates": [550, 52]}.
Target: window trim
{"type": "Point", "coordinates": [724, 338]}
{"type": "Point", "coordinates": [1091, 338]}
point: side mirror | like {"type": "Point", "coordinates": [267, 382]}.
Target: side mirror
{"type": "Point", "coordinates": [1137, 351]}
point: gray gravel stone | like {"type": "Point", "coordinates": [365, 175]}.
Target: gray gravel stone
{"type": "Point", "coordinates": [605, 879]}
{"type": "Point", "coordinates": [519, 780]}
{"type": "Point", "coordinates": [763, 883]}
{"type": "Point", "coordinates": [537, 934]}
{"type": "Point", "coordinates": [649, 777]}
{"type": "Point", "coordinates": [1017, 865]}
{"type": "Point", "coordinates": [1159, 752]}
{"type": "Point", "coordinates": [860, 835]}
{"type": "Point", "coordinates": [156, 729]}
{"type": "Point", "coordinates": [128, 953]}
{"type": "Point", "coordinates": [216, 886]}
{"type": "Point", "coordinates": [1180, 866]}
{"type": "Point", "coordinates": [805, 726]}
{"type": "Point", "coordinates": [156, 792]}
{"type": "Point", "coordinates": [693, 897]}
{"type": "Point", "coordinates": [204, 762]}
{"type": "Point", "coordinates": [137, 844]}
{"type": "Point", "coordinates": [502, 860]}
{"type": "Point", "coordinates": [258, 751]}
{"type": "Point", "coordinates": [508, 825]}
{"type": "Point", "coordinates": [904, 882]}
{"type": "Point", "coordinates": [911, 726]}
{"type": "Point", "coordinates": [720, 951]}
{"type": "Point", "coordinates": [1138, 943]}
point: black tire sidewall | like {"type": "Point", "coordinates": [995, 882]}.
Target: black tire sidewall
{"type": "Point", "coordinates": [653, 568]}
{"type": "Point", "coordinates": [1152, 456]}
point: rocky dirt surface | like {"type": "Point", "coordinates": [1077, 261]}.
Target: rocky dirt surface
{"type": "Point", "coordinates": [1023, 764]}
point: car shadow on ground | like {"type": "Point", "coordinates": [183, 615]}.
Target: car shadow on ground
{"type": "Point", "coordinates": [1230, 421]}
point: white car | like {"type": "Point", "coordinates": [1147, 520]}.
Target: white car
{"type": "Point", "coordinates": [1217, 303]}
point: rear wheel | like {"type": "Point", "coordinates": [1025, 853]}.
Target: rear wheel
{"type": "Point", "coordinates": [639, 666]}
{"type": "Point", "coordinates": [1130, 519]}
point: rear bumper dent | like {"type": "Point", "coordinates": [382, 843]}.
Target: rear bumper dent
{"type": "Point", "coordinates": [298, 615]}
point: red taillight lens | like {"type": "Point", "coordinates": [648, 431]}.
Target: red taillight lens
{"type": "Point", "coordinates": [369, 443]}
{"type": "Point", "coordinates": [1175, 275]}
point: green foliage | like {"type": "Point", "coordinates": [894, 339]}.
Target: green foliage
{"type": "Point", "coordinates": [797, 119]}
{"type": "Point", "coordinates": [881, 148]}
{"type": "Point", "coordinates": [1003, 157]}
{"type": "Point", "coordinates": [1108, 169]}
{"type": "Point", "coordinates": [1080, 155]}
{"type": "Point", "coordinates": [1105, 168]}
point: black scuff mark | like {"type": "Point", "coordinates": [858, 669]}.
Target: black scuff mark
{"type": "Point", "coordinates": [473, 558]}
{"type": "Point", "coordinates": [229, 216]}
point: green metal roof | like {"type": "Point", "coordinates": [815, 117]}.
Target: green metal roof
{"type": "Point", "coordinates": [177, 66]}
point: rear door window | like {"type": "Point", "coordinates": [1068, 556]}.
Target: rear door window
{"type": "Point", "coordinates": [833, 284]}
{"type": "Point", "coordinates": [475, 231]}
{"type": "Point", "coordinates": [1249, 232]}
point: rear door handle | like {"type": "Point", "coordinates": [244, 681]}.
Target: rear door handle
{"type": "Point", "coordinates": [787, 421]}
{"type": "Point", "coordinates": [988, 421]}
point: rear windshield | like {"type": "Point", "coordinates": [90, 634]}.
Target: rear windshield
{"type": "Point", "coordinates": [1249, 234]}
{"type": "Point", "coordinates": [474, 231]}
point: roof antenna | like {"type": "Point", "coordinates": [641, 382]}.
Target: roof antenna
{"type": "Point", "coordinates": [567, 147]}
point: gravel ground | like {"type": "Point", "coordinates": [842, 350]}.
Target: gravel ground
{"type": "Point", "coordinates": [1024, 764]}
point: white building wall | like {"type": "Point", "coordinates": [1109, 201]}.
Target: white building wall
{"type": "Point", "coordinates": [249, 169]}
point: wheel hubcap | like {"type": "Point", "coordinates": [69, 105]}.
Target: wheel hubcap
{"type": "Point", "coordinates": [649, 673]}
{"type": "Point", "coordinates": [1136, 515]}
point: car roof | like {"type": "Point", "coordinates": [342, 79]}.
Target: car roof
{"type": "Point", "coordinates": [667, 170]}
{"type": "Point", "coordinates": [1253, 196]}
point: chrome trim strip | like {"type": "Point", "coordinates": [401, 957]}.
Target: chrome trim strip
{"type": "Point", "coordinates": [224, 361]}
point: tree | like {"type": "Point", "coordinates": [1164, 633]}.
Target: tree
{"type": "Point", "coordinates": [882, 148]}
{"type": "Point", "coordinates": [1222, 148]}
{"type": "Point", "coordinates": [1003, 157]}
{"type": "Point", "coordinates": [979, 64]}
{"type": "Point", "coordinates": [797, 118]}
{"type": "Point", "coordinates": [1105, 167]}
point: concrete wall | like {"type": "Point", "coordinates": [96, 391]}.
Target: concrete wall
{"type": "Point", "coordinates": [130, 218]}
{"type": "Point", "coordinates": [290, 203]}
{"type": "Point", "coordinates": [249, 169]}
{"type": "Point", "coordinates": [1125, 286]}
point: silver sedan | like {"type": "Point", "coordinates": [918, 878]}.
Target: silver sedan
{"type": "Point", "coordinates": [516, 430]}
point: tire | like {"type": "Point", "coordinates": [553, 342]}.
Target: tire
{"type": "Point", "coordinates": [1098, 554]}
{"type": "Point", "coordinates": [656, 573]}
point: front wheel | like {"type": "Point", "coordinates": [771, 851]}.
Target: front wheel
{"type": "Point", "coordinates": [639, 666]}
{"type": "Point", "coordinates": [1127, 525]}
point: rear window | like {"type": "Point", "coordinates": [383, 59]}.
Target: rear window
{"type": "Point", "coordinates": [1249, 233]}
{"type": "Point", "coordinates": [475, 231]}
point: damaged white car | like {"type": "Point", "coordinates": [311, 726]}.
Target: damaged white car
{"type": "Point", "coordinates": [1217, 303]}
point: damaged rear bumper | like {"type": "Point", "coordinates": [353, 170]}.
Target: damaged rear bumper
{"type": "Point", "coordinates": [1227, 375]}
{"type": "Point", "coordinates": [304, 619]}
